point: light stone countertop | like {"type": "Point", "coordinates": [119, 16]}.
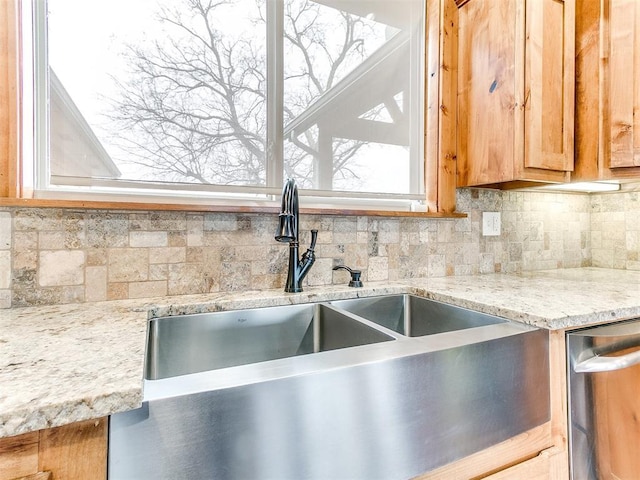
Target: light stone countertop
{"type": "Point", "coordinates": [552, 299]}
{"type": "Point", "coordinates": [66, 363]}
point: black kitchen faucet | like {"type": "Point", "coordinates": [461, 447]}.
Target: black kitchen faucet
{"type": "Point", "coordinates": [288, 232]}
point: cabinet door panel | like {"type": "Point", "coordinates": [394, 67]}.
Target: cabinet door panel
{"type": "Point", "coordinates": [18, 455]}
{"type": "Point", "coordinates": [515, 91]}
{"type": "Point", "coordinates": [75, 452]}
{"type": "Point", "coordinates": [486, 91]}
{"type": "Point", "coordinates": [624, 94]}
{"type": "Point", "coordinates": [549, 90]}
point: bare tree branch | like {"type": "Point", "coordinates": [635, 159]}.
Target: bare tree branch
{"type": "Point", "coordinates": [194, 105]}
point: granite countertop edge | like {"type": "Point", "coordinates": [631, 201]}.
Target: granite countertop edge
{"type": "Point", "coordinates": [66, 363]}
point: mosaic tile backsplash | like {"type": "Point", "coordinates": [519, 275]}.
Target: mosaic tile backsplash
{"type": "Point", "coordinates": [54, 255]}
{"type": "Point", "coordinates": [615, 230]}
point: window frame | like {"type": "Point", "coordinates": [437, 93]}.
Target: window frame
{"type": "Point", "coordinates": [16, 185]}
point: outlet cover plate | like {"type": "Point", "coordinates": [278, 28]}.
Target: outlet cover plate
{"type": "Point", "coordinates": [491, 224]}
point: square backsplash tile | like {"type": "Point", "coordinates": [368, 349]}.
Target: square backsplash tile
{"type": "Point", "coordinates": [51, 256]}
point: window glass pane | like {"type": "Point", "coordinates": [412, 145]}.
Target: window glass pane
{"type": "Point", "coordinates": [352, 73]}
{"type": "Point", "coordinates": [378, 168]}
{"type": "Point", "coordinates": [158, 90]}
{"type": "Point", "coordinates": [176, 91]}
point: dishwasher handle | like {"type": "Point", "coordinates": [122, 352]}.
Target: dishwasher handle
{"type": "Point", "coordinates": [605, 363]}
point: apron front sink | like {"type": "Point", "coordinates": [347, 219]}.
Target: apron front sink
{"type": "Point", "coordinates": [415, 316]}
{"type": "Point", "coordinates": [195, 343]}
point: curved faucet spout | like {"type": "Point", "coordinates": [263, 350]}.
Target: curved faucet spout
{"type": "Point", "coordinates": [288, 232]}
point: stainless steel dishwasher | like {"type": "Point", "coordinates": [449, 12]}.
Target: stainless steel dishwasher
{"type": "Point", "coordinates": [604, 399]}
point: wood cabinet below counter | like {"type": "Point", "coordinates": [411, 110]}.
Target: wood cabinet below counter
{"type": "Point", "coordinates": [77, 451]}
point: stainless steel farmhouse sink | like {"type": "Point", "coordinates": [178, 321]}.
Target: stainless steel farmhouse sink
{"type": "Point", "coordinates": [383, 387]}
{"type": "Point", "coordinates": [197, 343]}
{"type": "Point", "coordinates": [415, 316]}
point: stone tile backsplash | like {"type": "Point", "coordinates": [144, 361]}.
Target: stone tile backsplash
{"type": "Point", "coordinates": [54, 255]}
{"type": "Point", "coordinates": [615, 230]}
{"type": "Point", "coordinates": [5, 259]}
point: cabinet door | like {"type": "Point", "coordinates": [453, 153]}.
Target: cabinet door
{"type": "Point", "coordinates": [608, 90]}
{"type": "Point", "coordinates": [19, 456]}
{"type": "Point", "coordinates": [624, 81]}
{"type": "Point", "coordinates": [487, 97]}
{"type": "Point", "coordinates": [77, 451]}
{"type": "Point", "coordinates": [549, 85]}
{"type": "Point", "coordinates": [515, 91]}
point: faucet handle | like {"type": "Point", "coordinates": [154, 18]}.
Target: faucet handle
{"type": "Point", "coordinates": [355, 275]}
{"type": "Point", "coordinates": [314, 237]}
{"type": "Point", "coordinates": [309, 256]}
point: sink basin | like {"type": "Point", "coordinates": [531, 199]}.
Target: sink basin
{"type": "Point", "coordinates": [369, 409]}
{"type": "Point", "coordinates": [195, 343]}
{"type": "Point", "coordinates": [415, 316]}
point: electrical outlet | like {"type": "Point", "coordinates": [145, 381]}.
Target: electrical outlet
{"type": "Point", "coordinates": [490, 224]}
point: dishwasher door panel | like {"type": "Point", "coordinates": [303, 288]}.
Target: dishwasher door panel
{"type": "Point", "coordinates": [617, 420]}
{"type": "Point", "coordinates": [604, 398]}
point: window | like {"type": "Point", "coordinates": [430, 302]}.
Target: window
{"type": "Point", "coordinates": [230, 97]}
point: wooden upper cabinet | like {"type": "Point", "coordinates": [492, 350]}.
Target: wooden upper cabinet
{"type": "Point", "coordinates": [515, 92]}
{"type": "Point", "coordinates": [608, 89]}
{"type": "Point", "coordinates": [624, 83]}
{"type": "Point", "coordinates": [440, 105]}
